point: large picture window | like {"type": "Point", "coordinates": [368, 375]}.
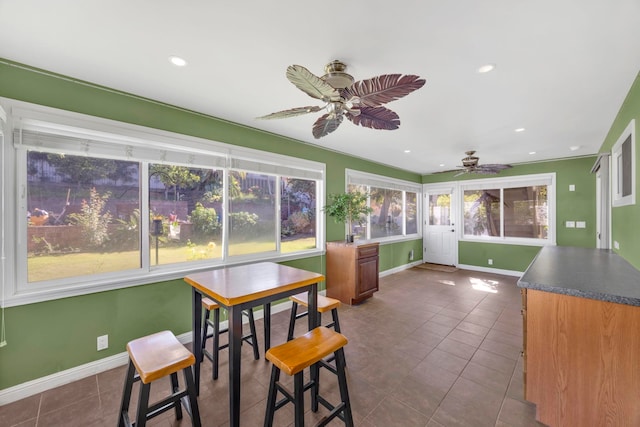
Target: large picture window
{"type": "Point", "coordinates": [109, 205]}
{"type": "Point", "coordinates": [516, 209]}
{"type": "Point", "coordinates": [394, 203]}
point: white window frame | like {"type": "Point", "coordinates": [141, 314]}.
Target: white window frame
{"type": "Point", "coordinates": [617, 199]}
{"type": "Point", "coordinates": [356, 177]}
{"type": "Point", "coordinates": [548, 179]}
{"type": "Point", "coordinates": [127, 140]}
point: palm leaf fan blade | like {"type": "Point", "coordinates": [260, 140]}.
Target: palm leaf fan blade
{"type": "Point", "coordinates": [383, 89]}
{"type": "Point", "coordinates": [326, 124]}
{"type": "Point", "coordinates": [490, 169]}
{"type": "Point", "coordinates": [376, 118]}
{"type": "Point", "coordinates": [311, 84]}
{"type": "Point", "coordinates": [293, 112]}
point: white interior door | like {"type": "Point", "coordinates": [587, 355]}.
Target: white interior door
{"type": "Point", "coordinates": [440, 245]}
{"type": "Point", "coordinates": [603, 202]}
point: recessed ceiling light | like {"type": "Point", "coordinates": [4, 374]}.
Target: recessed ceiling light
{"type": "Point", "coordinates": [177, 61]}
{"type": "Point", "coordinates": [574, 147]}
{"type": "Point", "coordinates": [407, 151]}
{"type": "Point", "coordinates": [441, 165]}
{"type": "Point", "coordinates": [532, 152]}
{"type": "Point", "coordinates": [486, 68]}
{"type": "Point", "coordinates": [519, 130]}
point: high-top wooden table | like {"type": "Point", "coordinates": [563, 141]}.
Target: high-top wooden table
{"type": "Point", "coordinates": [244, 287]}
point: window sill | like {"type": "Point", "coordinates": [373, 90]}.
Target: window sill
{"type": "Point", "coordinates": [510, 241]}
{"type": "Point", "coordinates": [23, 297]}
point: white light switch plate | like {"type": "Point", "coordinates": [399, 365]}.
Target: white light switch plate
{"type": "Point", "coordinates": [570, 224]}
{"type": "Point", "coordinates": [581, 224]}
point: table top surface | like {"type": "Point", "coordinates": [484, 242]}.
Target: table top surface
{"type": "Point", "coordinates": [239, 284]}
{"type": "Point", "coordinates": [583, 272]}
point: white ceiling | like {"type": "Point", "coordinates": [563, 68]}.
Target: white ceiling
{"type": "Point", "coordinates": [563, 67]}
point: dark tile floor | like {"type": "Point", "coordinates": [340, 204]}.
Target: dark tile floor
{"type": "Point", "coordinates": [429, 349]}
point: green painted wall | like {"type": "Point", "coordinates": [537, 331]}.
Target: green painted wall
{"type": "Point", "coordinates": [627, 218]}
{"type": "Point", "coordinates": [53, 336]}
{"type": "Point", "coordinates": [578, 205]}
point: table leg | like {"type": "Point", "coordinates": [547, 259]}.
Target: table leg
{"type": "Point", "coordinates": [235, 341]}
{"type": "Point", "coordinates": [267, 327]}
{"type": "Point", "coordinates": [197, 336]}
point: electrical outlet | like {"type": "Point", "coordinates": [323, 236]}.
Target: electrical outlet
{"type": "Point", "coordinates": [411, 255]}
{"type": "Point", "coordinates": [103, 342]}
{"type": "Point", "coordinates": [490, 261]}
{"type": "Point", "coordinates": [616, 245]}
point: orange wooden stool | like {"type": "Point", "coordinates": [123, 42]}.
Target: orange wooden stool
{"type": "Point", "coordinates": [324, 304]}
{"type": "Point", "coordinates": [293, 357]}
{"type": "Point", "coordinates": [210, 306]}
{"type": "Point", "coordinates": [151, 358]}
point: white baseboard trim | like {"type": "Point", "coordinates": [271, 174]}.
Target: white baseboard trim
{"type": "Point", "coordinates": [39, 385]}
{"type": "Point", "coordinates": [490, 270]}
{"type": "Point", "coordinates": [399, 269]}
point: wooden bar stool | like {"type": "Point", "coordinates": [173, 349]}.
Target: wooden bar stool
{"type": "Point", "coordinates": [324, 304]}
{"type": "Point", "coordinates": [293, 357]}
{"type": "Point", "coordinates": [211, 306]}
{"type": "Point", "coordinates": [151, 358]}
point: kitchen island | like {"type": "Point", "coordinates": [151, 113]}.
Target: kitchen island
{"type": "Point", "coordinates": [581, 317]}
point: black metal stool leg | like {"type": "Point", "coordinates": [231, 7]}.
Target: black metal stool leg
{"type": "Point", "coordinates": [292, 320]}
{"type": "Point", "coordinates": [336, 322]}
{"type": "Point", "coordinates": [216, 343]}
{"type": "Point", "coordinates": [271, 399]}
{"type": "Point", "coordinates": [205, 327]}
{"type": "Point", "coordinates": [314, 373]}
{"type": "Point", "coordinates": [298, 393]}
{"type": "Point", "coordinates": [143, 405]}
{"type": "Point", "coordinates": [254, 335]}
{"type": "Point", "coordinates": [344, 391]}
{"type": "Point", "coordinates": [126, 394]}
{"type": "Point", "coordinates": [175, 388]}
{"type": "Point", "coordinates": [193, 398]}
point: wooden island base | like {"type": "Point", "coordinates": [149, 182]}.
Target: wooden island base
{"type": "Point", "coordinates": [582, 360]}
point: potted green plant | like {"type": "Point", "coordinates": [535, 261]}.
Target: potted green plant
{"type": "Point", "coordinates": [348, 208]}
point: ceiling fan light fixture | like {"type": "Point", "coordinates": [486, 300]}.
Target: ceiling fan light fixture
{"type": "Point", "coordinates": [336, 75]}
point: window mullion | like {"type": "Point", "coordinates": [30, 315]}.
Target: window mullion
{"type": "Point", "coordinates": [278, 211]}
{"type": "Point", "coordinates": [145, 246]}
{"type": "Point", "coordinates": [502, 212]}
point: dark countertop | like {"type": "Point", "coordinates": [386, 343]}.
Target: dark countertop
{"type": "Point", "coordinates": [583, 272]}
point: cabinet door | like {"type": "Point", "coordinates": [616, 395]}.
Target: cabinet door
{"type": "Point", "coordinates": [367, 276]}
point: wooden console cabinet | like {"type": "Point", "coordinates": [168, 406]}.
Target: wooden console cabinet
{"type": "Point", "coordinates": [352, 271]}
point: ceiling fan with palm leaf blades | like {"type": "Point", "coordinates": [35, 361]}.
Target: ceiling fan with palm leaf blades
{"type": "Point", "coordinates": [470, 165]}
{"type": "Point", "coordinates": [361, 101]}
